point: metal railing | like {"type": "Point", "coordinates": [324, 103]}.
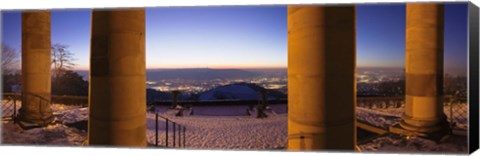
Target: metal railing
{"type": "Point", "coordinates": [381, 102]}
{"type": "Point", "coordinates": [9, 107]}
{"type": "Point", "coordinates": [178, 138]}
{"type": "Point", "coordinates": [12, 103]}
{"type": "Point", "coordinates": [63, 99]}
{"type": "Point", "coordinates": [455, 108]}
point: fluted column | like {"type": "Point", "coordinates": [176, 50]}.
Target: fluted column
{"type": "Point", "coordinates": [424, 69]}
{"type": "Point", "coordinates": [117, 96]}
{"type": "Point", "coordinates": [36, 80]}
{"type": "Point", "coordinates": [321, 83]}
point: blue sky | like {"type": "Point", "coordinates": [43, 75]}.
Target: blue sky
{"type": "Point", "coordinates": [381, 36]}
{"type": "Point", "coordinates": [247, 36]}
{"type": "Point", "coordinates": [217, 37]}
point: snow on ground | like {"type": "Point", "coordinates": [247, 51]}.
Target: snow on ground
{"type": "Point", "coordinates": [72, 115]}
{"type": "Point", "coordinates": [386, 117]}
{"type": "Point", "coordinates": [235, 130]}
{"type": "Point", "coordinates": [383, 117]}
{"type": "Point", "coordinates": [377, 118]}
{"type": "Point", "coordinates": [62, 107]}
{"type": "Point", "coordinates": [207, 132]}
{"type": "Point", "coordinates": [392, 143]}
{"type": "Point", "coordinates": [231, 132]}
{"type": "Point", "coordinates": [228, 127]}
{"type": "Point", "coordinates": [64, 113]}
{"type": "Point", "coordinates": [7, 107]}
{"type": "Point", "coordinates": [57, 134]}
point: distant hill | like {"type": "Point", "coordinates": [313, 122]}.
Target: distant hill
{"type": "Point", "coordinates": [276, 72]}
{"type": "Point", "coordinates": [238, 91]}
{"type": "Point", "coordinates": [156, 95]}
{"type": "Point", "coordinates": [198, 74]}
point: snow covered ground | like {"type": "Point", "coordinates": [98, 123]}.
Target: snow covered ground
{"type": "Point", "coordinates": [212, 131]}
{"type": "Point", "coordinates": [7, 107]}
{"type": "Point", "coordinates": [383, 117]}
{"type": "Point", "coordinates": [225, 127]}
{"type": "Point", "coordinates": [57, 134]}
{"type": "Point", "coordinates": [227, 132]}
{"type": "Point", "coordinates": [397, 144]}
{"type": "Point", "coordinates": [394, 143]}
{"type": "Point", "coordinates": [380, 118]}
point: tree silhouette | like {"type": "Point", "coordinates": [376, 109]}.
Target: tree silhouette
{"type": "Point", "coordinates": [10, 60]}
{"type": "Point", "coordinates": [10, 68]}
{"type": "Point", "coordinates": [62, 59]}
{"type": "Point", "coordinates": [64, 80]}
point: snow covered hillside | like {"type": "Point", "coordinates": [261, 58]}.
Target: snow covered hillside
{"type": "Point", "coordinates": [242, 91]}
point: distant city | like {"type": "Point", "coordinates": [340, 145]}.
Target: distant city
{"type": "Point", "coordinates": [370, 81]}
{"type": "Point", "coordinates": [196, 80]}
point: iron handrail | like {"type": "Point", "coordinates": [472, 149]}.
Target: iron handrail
{"type": "Point", "coordinates": [181, 132]}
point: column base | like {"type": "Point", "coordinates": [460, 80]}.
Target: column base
{"type": "Point", "coordinates": [87, 143]}
{"type": "Point", "coordinates": [438, 135]}
{"type": "Point", "coordinates": [29, 125]}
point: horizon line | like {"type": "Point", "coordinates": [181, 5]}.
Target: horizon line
{"type": "Point", "coordinates": [236, 67]}
{"type": "Point", "coordinates": [226, 67]}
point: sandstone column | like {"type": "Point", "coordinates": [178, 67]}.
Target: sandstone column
{"type": "Point", "coordinates": [321, 83]}
{"type": "Point", "coordinates": [36, 80]}
{"type": "Point", "coordinates": [117, 96]}
{"type": "Point", "coordinates": [424, 70]}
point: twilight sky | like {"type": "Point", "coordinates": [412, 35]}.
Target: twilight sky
{"type": "Point", "coordinates": [247, 36]}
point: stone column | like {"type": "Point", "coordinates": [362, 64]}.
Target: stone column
{"type": "Point", "coordinates": [321, 82]}
{"type": "Point", "coordinates": [117, 96]}
{"type": "Point", "coordinates": [36, 78]}
{"type": "Point", "coordinates": [424, 70]}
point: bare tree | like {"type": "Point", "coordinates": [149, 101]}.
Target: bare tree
{"type": "Point", "coordinates": [62, 59]}
{"type": "Point", "coordinates": [10, 60]}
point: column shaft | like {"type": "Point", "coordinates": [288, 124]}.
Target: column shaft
{"type": "Point", "coordinates": [117, 95]}
{"type": "Point", "coordinates": [321, 83]}
{"type": "Point", "coordinates": [36, 57]}
{"type": "Point", "coordinates": [424, 68]}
